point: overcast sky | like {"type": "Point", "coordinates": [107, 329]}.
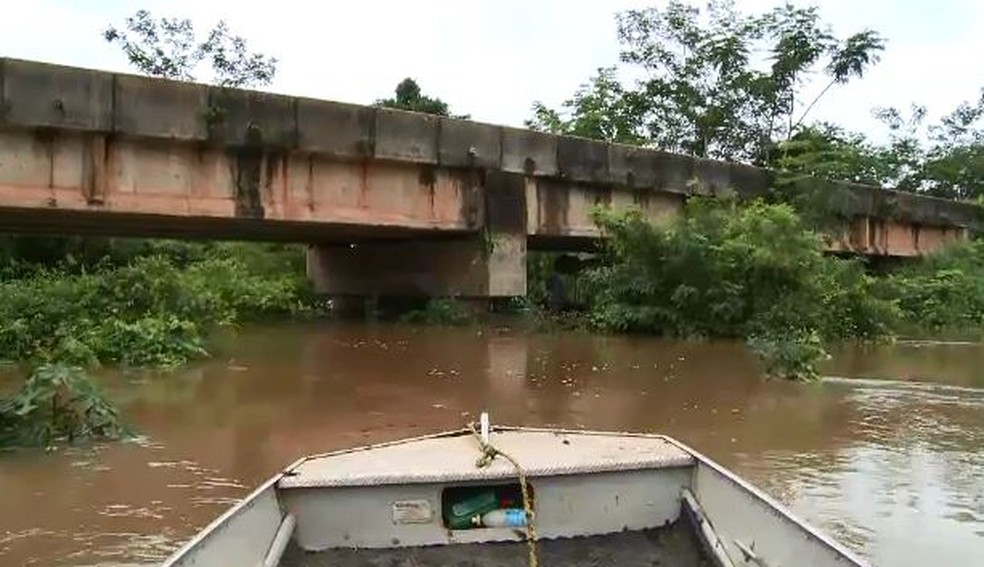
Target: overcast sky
{"type": "Point", "coordinates": [493, 58]}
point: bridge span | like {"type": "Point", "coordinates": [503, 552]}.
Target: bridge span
{"type": "Point", "coordinates": [391, 202]}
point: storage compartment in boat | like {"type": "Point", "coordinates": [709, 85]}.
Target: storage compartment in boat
{"type": "Point", "coordinates": [484, 506]}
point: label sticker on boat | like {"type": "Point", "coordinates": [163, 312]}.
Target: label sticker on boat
{"type": "Point", "coordinates": [412, 512]}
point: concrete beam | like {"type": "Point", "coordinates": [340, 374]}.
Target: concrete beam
{"type": "Point", "coordinates": [154, 108]}
{"type": "Point", "coordinates": [887, 238]}
{"type": "Point", "coordinates": [39, 95]}
{"type": "Point", "coordinates": [631, 167]}
{"type": "Point", "coordinates": [673, 173]}
{"type": "Point", "coordinates": [558, 209]}
{"type": "Point", "coordinates": [750, 181]}
{"type": "Point", "coordinates": [529, 152]}
{"type": "Point", "coordinates": [249, 118]}
{"type": "Point", "coordinates": [335, 129]}
{"type": "Point", "coordinates": [469, 144]}
{"type": "Point", "coordinates": [580, 159]}
{"type": "Point", "coordinates": [718, 178]}
{"type": "Point", "coordinates": [505, 202]}
{"type": "Point", "coordinates": [406, 136]}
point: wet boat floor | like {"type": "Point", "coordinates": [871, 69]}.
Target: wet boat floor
{"type": "Point", "coordinates": [672, 546]}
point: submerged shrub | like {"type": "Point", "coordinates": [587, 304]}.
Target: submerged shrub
{"type": "Point", "coordinates": [57, 402]}
{"type": "Point", "coordinates": [441, 311]}
{"type": "Point", "coordinates": [794, 355]}
{"type": "Point", "coordinates": [725, 270]}
{"type": "Point", "coordinates": [721, 269]}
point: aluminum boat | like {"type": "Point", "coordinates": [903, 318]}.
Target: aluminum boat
{"type": "Point", "coordinates": [510, 496]}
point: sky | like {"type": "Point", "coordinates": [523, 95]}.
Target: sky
{"type": "Point", "coordinates": [493, 58]}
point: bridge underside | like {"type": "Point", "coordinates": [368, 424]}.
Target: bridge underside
{"type": "Point", "coordinates": [136, 225]}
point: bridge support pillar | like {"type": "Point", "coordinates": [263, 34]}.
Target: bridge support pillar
{"type": "Point", "coordinates": [477, 267]}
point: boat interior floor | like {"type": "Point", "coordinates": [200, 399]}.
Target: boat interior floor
{"type": "Point", "coordinates": [671, 546]}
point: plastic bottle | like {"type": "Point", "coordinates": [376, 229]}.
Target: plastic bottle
{"type": "Point", "coordinates": [505, 518]}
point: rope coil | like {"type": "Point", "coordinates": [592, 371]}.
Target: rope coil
{"type": "Point", "coordinates": [489, 453]}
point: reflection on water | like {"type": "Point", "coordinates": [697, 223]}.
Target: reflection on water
{"type": "Point", "coordinates": [893, 469]}
{"type": "Point", "coordinates": [909, 490]}
{"type": "Point", "coordinates": [951, 363]}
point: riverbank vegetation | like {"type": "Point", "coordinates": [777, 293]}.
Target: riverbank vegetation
{"type": "Point", "coordinates": [942, 294]}
{"type": "Point", "coordinates": [148, 304]}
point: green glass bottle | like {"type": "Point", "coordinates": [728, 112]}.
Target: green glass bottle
{"type": "Point", "coordinates": [461, 514]}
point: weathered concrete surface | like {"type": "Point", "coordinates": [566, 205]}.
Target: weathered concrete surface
{"type": "Point", "coordinates": [44, 96]}
{"type": "Point", "coordinates": [529, 152]}
{"type": "Point", "coordinates": [196, 183]}
{"type": "Point", "coordinates": [406, 136]}
{"type": "Point", "coordinates": [878, 237]}
{"type": "Point", "coordinates": [159, 109]}
{"type": "Point", "coordinates": [87, 151]}
{"type": "Point", "coordinates": [469, 144]}
{"type": "Point", "coordinates": [341, 130]}
{"type": "Point", "coordinates": [462, 268]}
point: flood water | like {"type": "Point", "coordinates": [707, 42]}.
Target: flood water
{"type": "Point", "coordinates": [888, 457]}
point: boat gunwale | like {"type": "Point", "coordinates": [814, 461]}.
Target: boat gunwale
{"type": "Point", "coordinates": [771, 503]}
{"type": "Point", "coordinates": [216, 524]}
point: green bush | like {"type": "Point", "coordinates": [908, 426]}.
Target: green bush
{"type": "Point", "coordinates": [751, 271]}
{"type": "Point", "coordinates": [151, 312]}
{"type": "Point", "coordinates": [943, 291]}
{"type": "Point", "coordinates": [724, 270]}
{"type": "Point", "coordinates": [163, 341]}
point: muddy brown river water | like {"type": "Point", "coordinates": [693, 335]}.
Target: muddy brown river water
{"type": "Point", "coordinates": [887, 456]}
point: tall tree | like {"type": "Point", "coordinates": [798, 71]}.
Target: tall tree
{"type": "Point", "coordinates": [408, 96]}
{"type": "Point", "coordinates": [601, 109]}
{"type": "Point", "coordinates": [170, 48]}
{"type": "Point", "coordinates": [705, 88]}
{"type": "Point", "coordinates": [945, 159]}
{"type": "Point", "coordinates": [827, 151]}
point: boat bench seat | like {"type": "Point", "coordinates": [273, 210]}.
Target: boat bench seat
{"type": "Point", "coordinates": [452, 458]}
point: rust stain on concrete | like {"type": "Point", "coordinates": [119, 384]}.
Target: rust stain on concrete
{"type": "Point", "coordinates": [248, 175]}
{"type": "Point", "coordinates": [878, 237]}
{"type": "Point", "coordinates": [554, 200]}
{"type": "Point", "coordinates": [470, 192]}
{"type": "Point", "coordinates": [309, 184]}
{"type": "Point", "coordinates": [363, 199]}
{"type": "Point", "coordinates": [285, 196]}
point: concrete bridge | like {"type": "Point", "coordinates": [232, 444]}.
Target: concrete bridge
{"type": "Point", "coordinates": [392, 202]}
